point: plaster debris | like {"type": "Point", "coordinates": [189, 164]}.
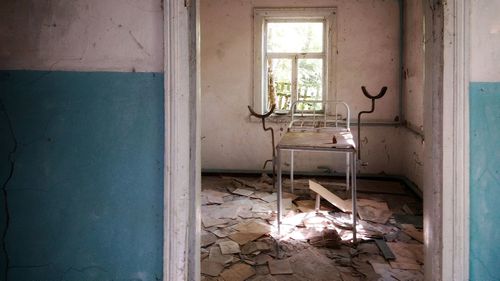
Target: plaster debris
{"type": "Point", "coordinates": [408, 256]}
{"type": "Point", "coordinates": [248, 247]}
{"type": "Point", "coordinates": [211, 196]}
{"type": "Point", "coordinates": [211, 268]}
{"type": "Point", "coordinates": [249, 231]}
{"type": "Point", "coordinates": [207, 239]}
{"type": "Point", "coordinates": [310, 264]}
{"type": "Point", "coordinates": [280, 267]}
{"type": "Point", "coordinates": [238, 272]}
{"type": "Point", "coordinates": [209, 221]}
{"type": "Point", "coordinates": [264, 278]}
{"type": "Point", "coordinates": [243, 191]}
{"type": "Point", "coordinates": [223, 232]}
{"type": "Point", "coordinates": [373, 211]}
{"type": "Point", "coordinates": [229, 247]}
{"type": "Point", "coordinates": [262, 259]}
{"type": "Point", "coordinates": [270, 198]}
{"type": "Point", "coordinates": [413, 232]}
{"type": "Point", "coordinates": [216, 256]}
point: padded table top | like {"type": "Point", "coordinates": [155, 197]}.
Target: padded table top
{"type": "Point", "coordinates": [317, 140]}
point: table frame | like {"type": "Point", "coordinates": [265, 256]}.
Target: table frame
{"type": "Point", "coordinates": [350, 152]}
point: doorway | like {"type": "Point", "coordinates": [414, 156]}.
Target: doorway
{"type": "Point", "coordinates": [435, 178]}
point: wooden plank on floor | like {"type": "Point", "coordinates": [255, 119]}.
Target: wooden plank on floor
{"type": "Point", "coordinates": [330, 197]}
{"type": "Point", "coordinates": [386, 251]}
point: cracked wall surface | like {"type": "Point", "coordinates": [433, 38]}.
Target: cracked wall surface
{"type": "Point", "coordinates": [81, 83]}
{"type": "Point", "coordinates": [86, 197]}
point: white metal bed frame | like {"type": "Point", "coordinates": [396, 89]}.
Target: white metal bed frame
{"type": "Point", "coordinates": [305, 128]}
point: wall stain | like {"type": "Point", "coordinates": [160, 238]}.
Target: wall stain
{"type": "Point", "coordinates": [138, 43]}
{"type": "Point", "coordinates": [12, 162]}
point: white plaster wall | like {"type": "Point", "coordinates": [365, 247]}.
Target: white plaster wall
{"type": "Point", "coordinates": [368, 54]}
{"type": "Point", "coordinates": [413, 65]}
{"type": "Point", "coordinates": [413, 90]}
{"type": "Point", "coordinates": [484, 38]}
{"type": "Point", "coordinates": [104, 35]}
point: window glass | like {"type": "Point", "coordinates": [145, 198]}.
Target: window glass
{"type": "Point", "coordinates": [294, 37]}
{"type": "Point", "coordinates": [280, 77]}
{"type": "Point", "coordinates": [309, 81]}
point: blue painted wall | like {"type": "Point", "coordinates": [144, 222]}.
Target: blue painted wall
{"type": "Point", "coordinates": [86, 196]}
{"type": "Point", "coordinates": [484, 181]}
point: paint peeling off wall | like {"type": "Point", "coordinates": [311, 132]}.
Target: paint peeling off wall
{"type": "Point", "coordinates": [111, 35]}
{"type": "Point", "coordinates": [413, 91]}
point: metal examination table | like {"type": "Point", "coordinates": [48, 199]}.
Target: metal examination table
{"type": "Point", "coordinates": [316, 138]}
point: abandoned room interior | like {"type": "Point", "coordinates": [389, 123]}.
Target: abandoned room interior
{"type": "Point", "coordinates": [249, 140]}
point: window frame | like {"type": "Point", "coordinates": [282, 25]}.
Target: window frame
{"type": "Point", "coordinates": [264, 15]}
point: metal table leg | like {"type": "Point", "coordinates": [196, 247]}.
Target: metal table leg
{"type": "Point", "coordinates": [348, 171]}
{"type": "Point", "coordinates": [354, 210]}
{"type": "Point", "coordinates": [291, 171]}
{"type": "Point", "coordinates": [279, 193]}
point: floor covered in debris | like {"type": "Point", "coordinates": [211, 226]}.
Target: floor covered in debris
{"type": "Point", "coordinates": [239, 238]}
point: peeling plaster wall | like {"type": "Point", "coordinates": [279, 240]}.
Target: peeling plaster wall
{"type": "Point", "coordinates": [83, 35]}
{"type": "Point", "coordinates": [413, 90]}
{"type": "Point", "coordinates": [368, 34]}
{"type": "Point", "coordinates": [81, 94]}
{"type": "Point", "coordinates": [484, 108]}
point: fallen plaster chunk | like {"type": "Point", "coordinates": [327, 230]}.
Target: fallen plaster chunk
{"type": "Point", "coordinates": [238, 272]}
{"type": "Point", "coordinates": [216, 256]}
{"type": "Point", "coordinates": [348, 276]}
{"type": "Point", "coordinates": [408, 256]}
{"type": "Point", "coordinates": [308, 206]}
{"type": "Point", "coordinates": [213, 196]}
{"type": "Point", "coordinates": [279, 267]}
{"type": "Point", "coordinates": [211, 268]}
{"type": "Point", "coordinates": [246, 214]}
{"type": "Point", "coordinates": [258, 185]}
{"type": "Point", "coordinates": [203, 253]}
{"type": "Point", "coordinates": [383, 269]}
{"type": "Point", "coordinates": [222, 232]}
{"type": "Point", "coordinates": [329, 238]}
{"type": "Point", "coordinates": [266, 277]}
{"type": "Point", "coordinates": [413, 232]}
{"type": "Point", "coordinates": [229, 247]}
{"type": "Point", "coordinates": [227, 210]}
{"type": "Point", "coordinates": [252, 247]}
{"type": "Point", "coordinates": [207, 239]}
{"type": "Point", "coordinates": [330, 197]}
{"type": "Point", "coordinates": [262, 259]}
{"type": "Point", "coordinates": [288, 195]}
{"type": "Point", "coordinates": [270, 198]}
{"type": "Point", "coordinates": [243, 191]}
{"type": "Point", "coordinates": [249, 231]}
{"type": "Point", "coordinates": [310, 264]}
{"type": "Point", "coordinates": [371, 210]}
{"type": "Point", "coordinates": [209, 221]}
{"type": "Point", "coordinates": [259, 194]}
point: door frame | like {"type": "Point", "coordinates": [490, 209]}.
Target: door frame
{"type": "Point", "coordinates": [446, 173]}
{"type": "Point", "coordinates": [455, 139]}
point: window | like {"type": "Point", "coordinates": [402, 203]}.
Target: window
{"type": "Point", "coordinates": [293, 57]}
